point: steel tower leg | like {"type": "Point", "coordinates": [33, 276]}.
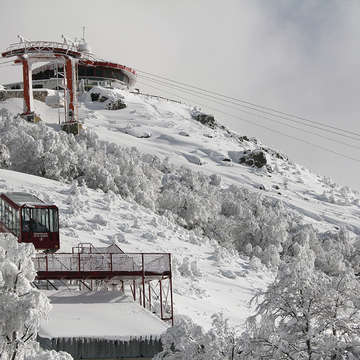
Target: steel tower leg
{"type": "Point", "coordinates": [28, 110]}
{"type": "Point", "coordinates": [71, 124]}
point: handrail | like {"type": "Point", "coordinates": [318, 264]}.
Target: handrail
{"type": "Point", "coordinates": [108, 260]}
{"type": "Point", "coordinates": [53, 44]}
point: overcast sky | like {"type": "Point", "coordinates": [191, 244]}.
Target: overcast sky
{"type": "Point", "coordinates": [297, 56]}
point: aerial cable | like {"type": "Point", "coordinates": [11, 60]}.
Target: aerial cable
{"type": "Point", "coordinates": [264, 127]}
{"type": "Point", "coordinates": [260, 111]}
{"type": "Point", "coordinates": [268, 118]}
{"type": "Point", "coordinates": [250, 103]}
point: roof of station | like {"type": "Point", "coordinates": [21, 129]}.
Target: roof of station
{"type": "Point", "coordinates": [21, 198]}
{"type": "Point", "coordinates": [52, 50]}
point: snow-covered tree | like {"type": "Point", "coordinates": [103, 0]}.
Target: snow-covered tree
{"type": "Point", "coordinates": [4, 156]}
{"type": "Point", "coordinates": [250, 222]}
{"type": "Point", "coordinates": [21, 306]}
{"type": "Point", "coordinates": [188, 341]}
{"type": "Point", "coordinates": [305, 314]}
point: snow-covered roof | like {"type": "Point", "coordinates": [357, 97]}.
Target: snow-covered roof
{"type": "Point", "coordinates": [102, 314]}
{"type": "Point", "coordinates": [22, 198]}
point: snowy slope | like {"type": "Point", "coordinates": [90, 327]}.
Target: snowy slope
{"type": "Point", "coordinates": [208, 278]}
{"type": "Point", "coordinates": [175, 135]}
{"type": "Point", "coordinates": [80, 314]}
{"type": "Point", "coordinates": [212, 280]}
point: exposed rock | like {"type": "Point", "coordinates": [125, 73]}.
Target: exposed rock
{"type": "Point", "coordinates": [246, 138]}
{"type": "Point", "coordinates": [255, 158]}
{"type": "Point", "coordinates": [205, 119]}
{"type": "Point", "coordinates": [116, 105]}
{"type": "Point", "coordinates": [94, 96]}
{"type": "Point", "coordinates": [111, 104]}
{"type": "Point", "coordinates": [243, 138]}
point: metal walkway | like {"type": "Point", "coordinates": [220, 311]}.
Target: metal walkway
{"type": "Point", "coordinates": [148, 275]}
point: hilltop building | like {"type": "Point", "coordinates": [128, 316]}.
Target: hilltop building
{"type": "Point", "coordinates": [91, 71]}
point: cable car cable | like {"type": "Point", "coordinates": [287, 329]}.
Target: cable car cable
{"type": "Point", "coordinates": [275, 120]}
{"type": "Point", "coordinates": [251, 103]}
{"type": "Point", "coordinates": [267, 128]}
{"type": "Point", "coordinates": [264, 112]}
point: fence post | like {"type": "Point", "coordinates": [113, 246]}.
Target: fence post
{"type": "Point", "coordinates": [47, 264]}
{"type": "Point", "coordinates": [171, 293]}
{"type": "Point", "coordinates": [79, 267]}
{"type": "Point", "coordinates": [143, 279]}
{"type": "Point", "coordinates": [111, 264]}
{"type": "Point", "coordinates": [161, 301]}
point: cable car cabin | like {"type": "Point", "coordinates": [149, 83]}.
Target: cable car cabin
{"type": "Point", "coordinates": [30, 220]}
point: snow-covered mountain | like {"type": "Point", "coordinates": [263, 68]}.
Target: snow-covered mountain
{"type": "Point", "coordinates": [138, 205]}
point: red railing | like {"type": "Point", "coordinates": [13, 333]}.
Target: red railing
{"type": "Point", "coordinates": [40, 46]}
{"type": "Point", "coordinates": [113, 262]}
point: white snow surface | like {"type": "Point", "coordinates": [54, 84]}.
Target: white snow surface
{"type": "Point", "coordinates": [207, 277]}
{"type": "Point", "coordinates": [161, 127]}
{"type": "Point", "coordinates": [109, 315]}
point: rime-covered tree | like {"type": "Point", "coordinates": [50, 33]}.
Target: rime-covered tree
{"type": "Point", "coordinates": [21, 306]}
{"type": "Point", "coordinates": [305, 314]}
{"type": "Point", "coordinates": [188, 341]}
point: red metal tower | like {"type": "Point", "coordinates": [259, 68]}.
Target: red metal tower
{"type": "Point", "coordinates": [29, 52]}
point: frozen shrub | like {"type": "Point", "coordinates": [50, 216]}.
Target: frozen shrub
{"type": "Point", "coordinates": [305, 314]}
{"type": "Point", "coordinates": [4, 156]}
{"type": "Point", "coordinates": [248, 249]}
{"type": "Point", "coordinates": [186, 340]}
{"type": "Point", "coordinates": [233, 216]}
{"type": "Point", "coordinates": [21, 306]}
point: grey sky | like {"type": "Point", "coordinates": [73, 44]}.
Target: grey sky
{"type": "Point", "coordinates": [298, 56]}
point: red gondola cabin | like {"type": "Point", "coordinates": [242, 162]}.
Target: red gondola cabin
{"type": "Point", "coordinates": [30, 220]}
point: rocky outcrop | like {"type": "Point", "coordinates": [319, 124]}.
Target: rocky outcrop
{"type": "Point", "coordinates": [116, 105]}
{"type": "Point", "coordinates": [111, 104]}
{"type": "Point", "coordinates": [205, 119]}
{"type": "Point", "coordinates": [255, 158]}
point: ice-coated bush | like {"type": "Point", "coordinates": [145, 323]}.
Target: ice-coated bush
{"type": "Point", "coordinates": [39, 150]}
{"type": "Point", "coordinates": [304, 314]}
{"type": "Point", "coordinates": [250, 222]}
{"type": "Point", "coordinates": [21, 306]}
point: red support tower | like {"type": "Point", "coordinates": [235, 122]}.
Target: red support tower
{"type": "Point", "coordinates": [28, 52]}
{"type": "Point", "coordinates": [27, 81]}
{"type": "Point", "coordinates": [28, 109]}
{"type": "Point", "coordinates": [71, 124]}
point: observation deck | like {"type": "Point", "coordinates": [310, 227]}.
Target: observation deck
{"type": "Point", "coordinates": [102, 266]}
{"type": "Point", "coordinates": [41, 47]}
{"type": "Point", "coordinates": [148, 275]}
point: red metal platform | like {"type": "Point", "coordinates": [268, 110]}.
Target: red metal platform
{"type": "Point", "coordinates": [148, 274]}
